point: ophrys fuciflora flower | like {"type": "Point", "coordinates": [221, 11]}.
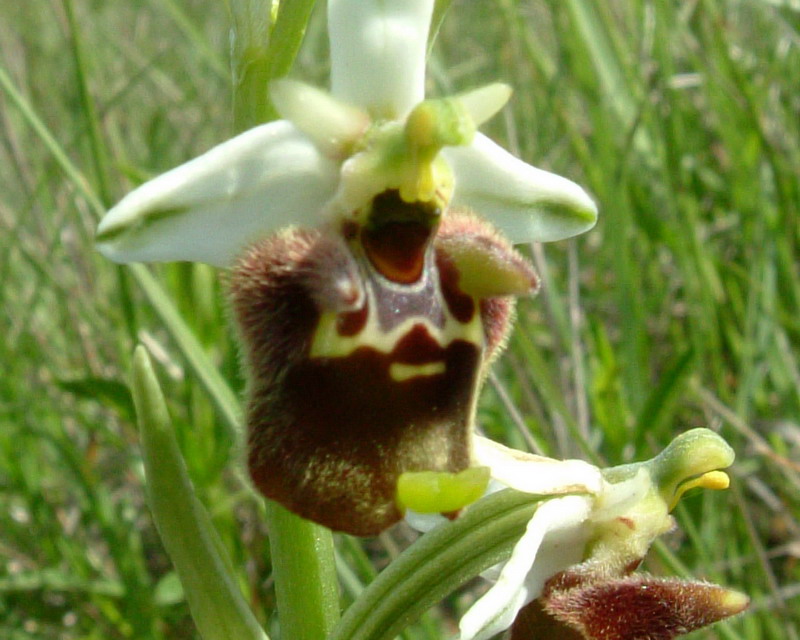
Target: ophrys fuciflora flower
{"type": "Point", "coordinates": [372, 273]}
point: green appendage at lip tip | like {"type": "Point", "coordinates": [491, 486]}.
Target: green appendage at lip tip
{"type": "Point", "coordinates": [441, 491]}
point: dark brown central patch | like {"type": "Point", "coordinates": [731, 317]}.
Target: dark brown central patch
{"type": "Point", "coordinates": [349, 430]}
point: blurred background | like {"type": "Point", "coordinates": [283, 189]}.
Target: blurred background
{"type": "Point", "coordinates": [680, 309]}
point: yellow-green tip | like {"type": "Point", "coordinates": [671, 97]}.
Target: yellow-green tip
{"type": "Point", "coordinates": [715, 480]}
{"type": "Point", "coordinates": [733, 602]}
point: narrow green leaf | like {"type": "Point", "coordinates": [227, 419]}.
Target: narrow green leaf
{"type": "Point", "coordinates": [217, 605]}
{"type": "Point", "coordinates": [437, 564]}
{"type": "Point", "coordinates": [661, 402]}
{"type": "Point", "coordinates": [105, 391]}
{"type": "Point", "coordinates": [210, 378]}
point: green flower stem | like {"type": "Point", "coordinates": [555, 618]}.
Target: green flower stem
{"type": "Point", "coordinates": [437, 564]}
{"type": "Point", "coordinates": [304, 570]}
{"type": "Point", "coordinates": [440, 8]}
{"type": "Point", "coordinates": [265, 46]}
{"type": "Point", "coordinates": [218, 608]}
{"type": "Point", "coordinates": [303, 561]}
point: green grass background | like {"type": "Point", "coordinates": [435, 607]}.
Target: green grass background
{"type": "Point", "coordinates": [681, 309]}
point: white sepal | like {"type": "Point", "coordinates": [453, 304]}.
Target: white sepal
{"type": "Point", "coordinates": [210, 208]}
{"type": "Point", "coordinates": [527, 204]}
{"type": "Point", "coordinates": [526, 569]}
{"type": "Point", "coordinates": [534, 474]}
{"type": "Point", "coordinates": [378, 50]}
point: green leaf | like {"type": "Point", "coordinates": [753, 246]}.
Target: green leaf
{"type": "Point", "coordinates": [437, 564]}
{"type": "Point", "coordinates": [105, 391]}
{"type": "Point", "coordinates": [661, 403]}
{"type": "Point", "coordinates": [217, 605]}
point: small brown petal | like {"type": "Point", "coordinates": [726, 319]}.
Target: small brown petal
{"type": "Point", "coordinates": [478, 262]}
{"type": "Point", "coordinates": [488, 264]}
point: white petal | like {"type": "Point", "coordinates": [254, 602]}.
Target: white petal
{"type": "Point", "coordinates": [525, 203]}
{"type": "Point", "coordinates": [562, 548]}
{"type": "Point", "coordinates": [210, 208]}
{"type": "Point", "coordinates": [332, 125]}
{"type": "Point", "coordinates": [497, 608]}
{"type": "Point", "coordinates": [536, 474]}
{"type": "Point", "coordinates": [378, 52]}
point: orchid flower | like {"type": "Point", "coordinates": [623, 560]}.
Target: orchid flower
{"type": "Point", "coordinates": [571, 574]}
{"type": "Point", "coordinates": [369, 239]}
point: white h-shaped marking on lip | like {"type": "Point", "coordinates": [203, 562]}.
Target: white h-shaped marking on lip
{"type": "Point", "coordinates": [329, 343]}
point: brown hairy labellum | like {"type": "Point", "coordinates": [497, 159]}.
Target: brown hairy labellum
{"type": "Point", "coordinates": [363, 361]}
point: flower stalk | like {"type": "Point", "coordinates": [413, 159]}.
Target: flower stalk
{"type": "Point", "coordinates": [305, 577]}
{"type": "Point", "coordinates": [265, 42]}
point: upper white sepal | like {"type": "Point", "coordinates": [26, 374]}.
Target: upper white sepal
{"type": "Point", "coordinates": [378, 53]}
